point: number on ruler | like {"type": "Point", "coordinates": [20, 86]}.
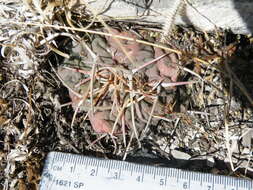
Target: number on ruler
{"type": "Point", "coordinates": [185, 185]}
{"type": "Point", "coordinates": [92, 172]}
{"type": "Point", "coordinates": [162, 182]}
{"type": "Point", "coordinates": [139, 179]}
{"type": "Point", "coordinates": [116, 175]}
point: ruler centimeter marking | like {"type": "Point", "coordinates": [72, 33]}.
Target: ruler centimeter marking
{"type": "Point", "coordinates": [64, 171]}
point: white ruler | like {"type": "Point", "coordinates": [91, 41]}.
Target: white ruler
{"type": "Point", "coordinates": [74, 172]}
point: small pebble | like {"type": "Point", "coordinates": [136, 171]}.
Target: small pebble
{"type": "Point", "coordinates": [180, 155]}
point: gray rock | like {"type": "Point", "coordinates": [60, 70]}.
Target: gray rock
{"type": "Point", "coordinates": [247, 137]}
{"type": "Point", "coordinates": [210, 161]}
{"type": "Point", "coordinates": [226, 14]}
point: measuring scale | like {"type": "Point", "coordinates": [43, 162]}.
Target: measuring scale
{"type": "Point", "coordinates": [74, 172]}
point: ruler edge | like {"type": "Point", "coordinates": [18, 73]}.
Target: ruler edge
{"type": "Point", "coordinates": [56, 156]}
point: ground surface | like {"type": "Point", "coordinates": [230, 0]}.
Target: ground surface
{"type": "Point", "coordinates": [189, 109]}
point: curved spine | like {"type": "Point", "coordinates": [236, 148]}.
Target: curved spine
{"type": "Point", "coordinates": [170, 17]}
